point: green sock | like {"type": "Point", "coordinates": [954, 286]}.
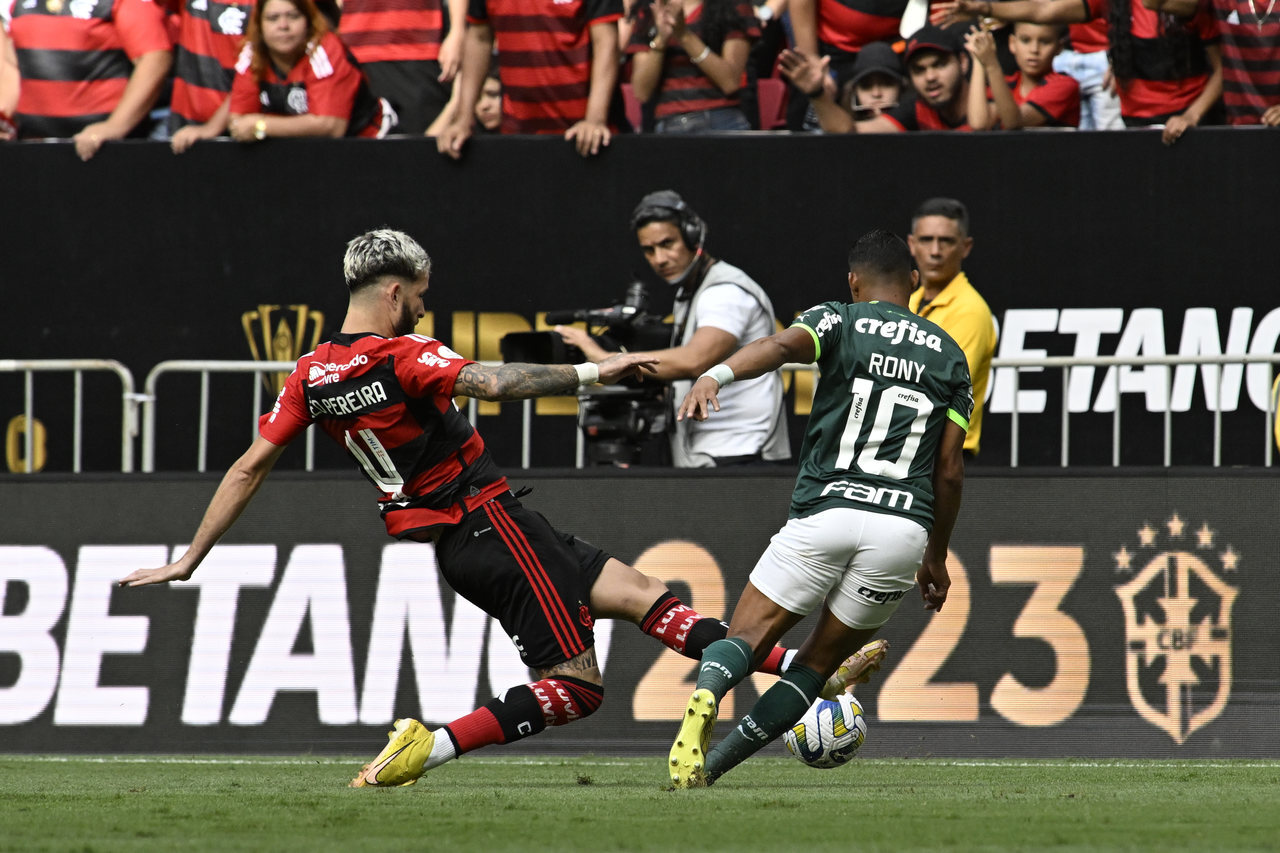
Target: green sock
{"type": "Point", "coordinates": [775, 712]}
{"type": "Point", "coordinates": [724, 663]}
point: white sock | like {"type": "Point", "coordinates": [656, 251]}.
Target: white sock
{"type": "Point", "coordinates": [441, 751]}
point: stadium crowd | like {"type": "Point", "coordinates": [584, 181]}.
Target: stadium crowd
{"type": "Point", "coordinates": [187, 70]}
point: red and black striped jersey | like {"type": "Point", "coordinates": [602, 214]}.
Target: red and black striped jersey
{"type": "Point", "coordinates": [75, 58]}
{"type": "Point", "coordinates": [685, 88]}
{"type": "Point", "coordinates": [544, 58]}
{"type": "Point", "coordinates": [389, 403]}
{"type": "Point", "coordinates": [847, 26]}
{"type": "Point", "coordinates": [1157, 88]}
{"type": "Point", "coordinates": [1250, 58]}
{"type": "Point", "coordinates": [210, 34]}
{"type": "Point", "coordinates": [393, 30]}
{"type": "Point", "coordinates": [327, 81]}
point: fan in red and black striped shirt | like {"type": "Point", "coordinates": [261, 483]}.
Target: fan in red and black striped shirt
{"type": "Point", "coordinates": [558, 62]}
{"type": "Point", "coordinates": [690, 61]}
{"type": "Point", "coordinates": [89, 71]}
{"type": "Point", "coordinates": [1250, 33]}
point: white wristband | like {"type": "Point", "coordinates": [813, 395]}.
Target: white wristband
{"type": "Point", "coordinates": [588, 373]}
{"type": "Point", "coordinates": [721, 373]}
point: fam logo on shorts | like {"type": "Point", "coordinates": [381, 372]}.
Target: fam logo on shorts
{"type": "Point", "coordinates": [285, 341]}
{"type": "Point", "coordinates": [1177, 613]}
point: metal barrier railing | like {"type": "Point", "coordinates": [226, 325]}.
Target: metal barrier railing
{"type": "Point", "coordinates": [1167, 361]}
{"type": "Point", "coordinates": [77, 367]}
{"type": "Point", "coordinates": [205, 368]}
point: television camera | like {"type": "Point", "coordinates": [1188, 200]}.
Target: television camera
{"type": "Point", "coordinates": [616, 420]}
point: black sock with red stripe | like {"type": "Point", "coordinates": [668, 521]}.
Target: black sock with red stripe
{"type": "Point", "coordinates": [525, 710]}
{"type": "Point", "coordinates": [684, 630]}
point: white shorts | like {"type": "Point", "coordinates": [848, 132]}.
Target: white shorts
{"type": "Point", "coordinates": [861, 563]}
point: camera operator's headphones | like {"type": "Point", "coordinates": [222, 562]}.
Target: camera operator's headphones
{"type": "Point", "coordinates": [666, 205]}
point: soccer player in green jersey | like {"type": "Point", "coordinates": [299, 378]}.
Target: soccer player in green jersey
{"type": "Point", "coordinates": [875, 500]}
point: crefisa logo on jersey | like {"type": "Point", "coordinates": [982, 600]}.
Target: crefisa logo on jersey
{"type": "Point", "coordinates": [1177, 613]}
{"type": "Point", "coordinates": [296, 330]}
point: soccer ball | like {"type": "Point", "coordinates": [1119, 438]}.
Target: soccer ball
{"type": "Point", "coordinates": [829, 734]}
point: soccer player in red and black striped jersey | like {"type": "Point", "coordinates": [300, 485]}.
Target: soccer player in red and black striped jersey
{"type": "Point", "coordinates": [89, 72]}
{"type": "Point", "coordinates": [558, 65]}
{"type": "Point", "coordinates": [387, 396]}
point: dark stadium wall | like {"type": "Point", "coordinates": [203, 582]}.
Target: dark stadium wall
{"type": "Point", "coordinates": [1085, 244]}
{"type": "Point", "coordinates": [1089, 616]}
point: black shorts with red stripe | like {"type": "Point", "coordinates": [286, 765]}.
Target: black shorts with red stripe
{"type": "Point", "coordinates": [536, 581]}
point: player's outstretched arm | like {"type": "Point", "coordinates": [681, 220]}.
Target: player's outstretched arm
{"type": "Point", "coordinates": [519, 381]}
{"type": "Point", "coordinates": [234, 493]}
{"type": "Point", "coordinates": [948, 483]}
{"type": "Point", "coordinates": [755, 359]}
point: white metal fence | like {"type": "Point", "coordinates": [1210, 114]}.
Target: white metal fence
{"type": "Point", "coordinates": [1213, 367]}
{"type": "Point", "coordinates": [77, 367]}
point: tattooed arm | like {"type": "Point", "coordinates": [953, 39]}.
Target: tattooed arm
{"type": "Point", "coordinates": [521, 381]}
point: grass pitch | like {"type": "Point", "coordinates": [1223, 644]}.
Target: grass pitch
{"type": "Point", "coordinates": [594, 804]}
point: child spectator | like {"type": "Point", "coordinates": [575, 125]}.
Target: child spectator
{"type": "Point", "coordinates": [1035, 95]}
{"type": "Point", "coordinates": [875, 83]}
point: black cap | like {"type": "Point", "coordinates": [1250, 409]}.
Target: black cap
{"type": "Point", "coordinates": [876, 58]}
{"type": "Point", "coordinates": [930, 37]}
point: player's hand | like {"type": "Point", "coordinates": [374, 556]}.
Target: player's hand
{"type": "Point", "coordinates": [589, 137]}
{"type": "Point", "coordinates": [934, 583]}
{"type": "Point", "coordinates": [624, 364]}
{"type": "Point", "coordinates": [172, 572]}
{"type": "Point", "coordinates": [453, 138]}
{"type": "Point", "coordinates": [701, 400]}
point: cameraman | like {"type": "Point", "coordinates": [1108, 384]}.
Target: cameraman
{"type": "Point", "coordinates": [718, 308]}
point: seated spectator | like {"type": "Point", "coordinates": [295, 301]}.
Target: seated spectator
{"type": "Point", "coordinates": [1166, 59]}
{"type": "Point", "coordinates": [88, 72]}
{"type": "Point", "coordinates": [690, 61]}
{"type": "Point", "coordinates": [559, 70]}
{"type": "Point", "coordinates": [938, 67]}
{"type": "Point", "coordinates": [410, 52]}
{"type": "Point", "coordinates": [489, 107]}
{"type": "Point", "coordinates": [876, 82]}
{"type": "Point", "coordinates": [1035, 95]}
{"type": "Point", "coordinates": [209, 41]}
{"type": "Point", "coordinates": [295, 78]}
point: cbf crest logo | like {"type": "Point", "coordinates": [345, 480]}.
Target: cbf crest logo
{"type": "Point", "coordinates": [1177, 615]}
{"type": "Point", "coordinates": [296, 331]}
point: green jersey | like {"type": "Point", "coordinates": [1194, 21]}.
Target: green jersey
{"type": "Point", "coordinates": [889, 382]}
